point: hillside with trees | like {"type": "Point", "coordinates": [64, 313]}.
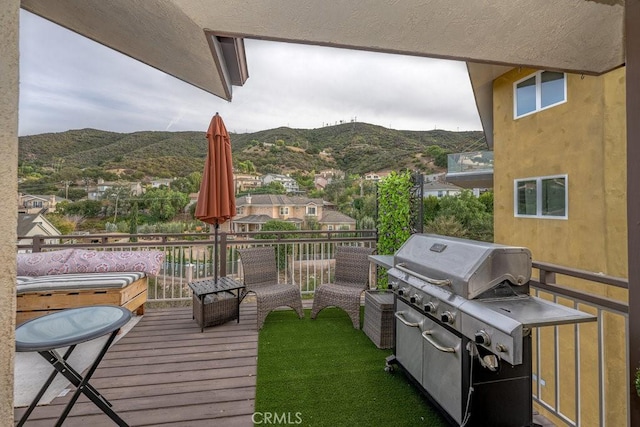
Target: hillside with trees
{"type": "Point", "coordinates": [69, 163]}
{"type": "Point", "coordinates": [355, 148]}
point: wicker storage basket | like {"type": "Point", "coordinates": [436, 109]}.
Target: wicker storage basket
{"type": "Point", "coordinates": [378, 318]}
{"type": "Point", "coordinates": [218, 308]}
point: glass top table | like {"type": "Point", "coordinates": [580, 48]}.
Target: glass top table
{"type": "Point", "coordinates": [68, 328]}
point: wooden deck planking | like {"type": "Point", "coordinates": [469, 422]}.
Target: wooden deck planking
{"type": "Point", "coordinates": [164, 371]}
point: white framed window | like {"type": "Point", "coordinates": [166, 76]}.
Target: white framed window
{"type": "Point", "coordinates": [542, 90]}
{"type": "Point", "coordinates": [284, 210]}
{"type": "Point", "coordinates": [240, 210]}
{"type": "Point", "coordinates": [542, 197]}
{"type": "Point", "coordinates": [311, 211]}
{"type": "Point", "coordinates": [330, 227]}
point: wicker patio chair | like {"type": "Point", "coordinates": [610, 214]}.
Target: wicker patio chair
{"type": "Point", "coordinates": [261, 278]}
{"type": "Point", "coordinates": [351, 279]}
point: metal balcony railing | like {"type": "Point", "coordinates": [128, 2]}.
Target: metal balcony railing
{"type": "Point", "coordinates": [305, 258]}
{"type": "Point", "coordinates": [580, 372]}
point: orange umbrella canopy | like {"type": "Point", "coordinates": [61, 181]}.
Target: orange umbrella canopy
{"type": "Point", "coordinates": [216, 200]}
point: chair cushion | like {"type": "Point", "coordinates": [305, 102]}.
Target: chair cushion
{"type": "Point", "coordinates": [56, 282]}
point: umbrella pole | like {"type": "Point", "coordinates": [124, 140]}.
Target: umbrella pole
{"type": "Point", "coordinates": [215, 254]}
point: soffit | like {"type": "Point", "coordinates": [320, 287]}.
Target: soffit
{"type": "Point", "coordinates": [572, 35]}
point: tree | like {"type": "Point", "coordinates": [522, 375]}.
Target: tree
{"type": "Point", "coordinates": [304, 180]}
{"type": "Point", "coordinates": [61, 223]}
{"type": "Point", "coordinates": [431, 206]}
{"type": "Point", "coordinates": [439, 155]}
{"type": "Point", "coordinates": [163, 203]}
{"type": "Point", "coordinates": [73, 193]}
{"type": "Point", "coordinates": [277, 225]}
{"type": "Point", "coordinates": [117, 199]}
{"type": "Point", "coordinates": [272, 188]}
{"type": "Point", "coordinates": [68, 173]}
{"type": "Point", "coordinates": [133, 221]}
{"type": "Point", "coordinates": [247, 166]}
{"type": "Point", "coordinates": [461, 215]}
{"type": "Point", "coordinates": [84, 208]}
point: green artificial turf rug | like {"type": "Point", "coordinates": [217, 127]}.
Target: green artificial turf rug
{"type": "Point", "coordinates": [323, 372]}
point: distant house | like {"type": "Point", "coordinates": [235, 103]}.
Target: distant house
{"type": "Point", "coordinates": [375, 176]}
{"type": "Point", "coordinates": [334, 220]}
{"type": "Point", "coordinates": [440, 189]}
{"type": "Point", "coordinates": [30, 225]}
{"type": "Point", "coordinates": [32, 204]}
{"type": "Point", "coordinates": [331, 173]}
{"type": "Point", "coordinates": [325, 177]}
{"type": "Point", "coordinates": [252, 212]}
{"type": "Point", "coordinates": [289, 184]}
{"type": "Point", "coordinates": [320, 182]}
{"type": "Point", "coordinates": [97, 192]}
{"type": "Point", "coordinates": [159, 182]}
{"type": "Point", "coordinates": [246, 182]}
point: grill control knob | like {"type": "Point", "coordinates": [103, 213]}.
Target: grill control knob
{"type": "Point", "coordinates": [482, 338]}
{"type": "Point", "coordinates": [430, 307]}
{"type": "Point", "coordinates": [403, 291]}
{"type": "Point", "coordinates": [501, 348]}
{"type": "Point", "coordinates": [393, 285]}
{"type": "Point", "coordinates": [448, 317]}
{"type": "Point", "coordinates": [416, 299]}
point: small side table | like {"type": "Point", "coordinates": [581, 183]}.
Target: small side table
{"type": "Point", "coordinates": [68, 328]}
{"type": "Point", "coordinates": [220, 310]}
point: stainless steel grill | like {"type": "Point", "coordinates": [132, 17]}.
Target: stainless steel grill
{"type": "Point", "coordinates": [463, 321]}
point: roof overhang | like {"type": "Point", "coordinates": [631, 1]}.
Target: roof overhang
{"type": "Point", "coordinates": [200, 41]}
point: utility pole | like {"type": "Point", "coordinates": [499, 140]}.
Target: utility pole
{"type": "Point", "coordinates": [115, 213]}
{"type": "Point", "coordinates": [66, 189]}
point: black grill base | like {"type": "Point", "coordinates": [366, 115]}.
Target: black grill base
{"type": "Point", "coordinates": [499, 399]}
{"type": "Point", "coordinates": [502, 398]}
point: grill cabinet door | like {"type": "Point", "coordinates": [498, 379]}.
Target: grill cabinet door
{"type": "Point", "coordinates": [409, 339]}
{"type": "Point", "coordinates": [442, 367]}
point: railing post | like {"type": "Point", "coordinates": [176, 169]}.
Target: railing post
{"type": "Point", "coordinates": [188, 272]}
{"type": "Point", "coordinates": [223, 254]}
{"type": "Point", "coordinates": [547, 277]}
{"type": "Point", "coordinates": [632, 51]}
{"type": "Point", "coordinates": [36, 243]}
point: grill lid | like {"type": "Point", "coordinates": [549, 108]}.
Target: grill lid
{"type": "Point", "coordinates": [467, 267]}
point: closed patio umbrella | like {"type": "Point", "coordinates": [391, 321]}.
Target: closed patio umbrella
{"type": "Point", "coordinates": [216, 200]}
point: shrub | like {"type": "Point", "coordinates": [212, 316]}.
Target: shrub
{"type": "Point", "coordinates": [394, 212]}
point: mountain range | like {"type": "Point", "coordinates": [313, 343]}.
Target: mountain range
{"type": "Point", "coordinates": [352, 147]}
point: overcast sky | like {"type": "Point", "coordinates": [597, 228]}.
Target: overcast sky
{"type": "Point", "coordinates": [70, 82]}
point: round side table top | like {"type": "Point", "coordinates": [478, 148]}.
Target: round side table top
{"type": "Point", "coordinates": [69, 327]}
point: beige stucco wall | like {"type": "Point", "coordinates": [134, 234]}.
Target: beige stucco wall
{"type": "Point", "coordinates": [9, 17]}
{"type": "Point", "coordinates": [584, 138]}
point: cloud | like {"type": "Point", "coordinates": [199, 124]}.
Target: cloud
{"type": "Point", "coordinates": [70, 82]}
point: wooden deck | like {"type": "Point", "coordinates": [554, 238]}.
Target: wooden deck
{"type": "Point", "coordinates": [164, 371]}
